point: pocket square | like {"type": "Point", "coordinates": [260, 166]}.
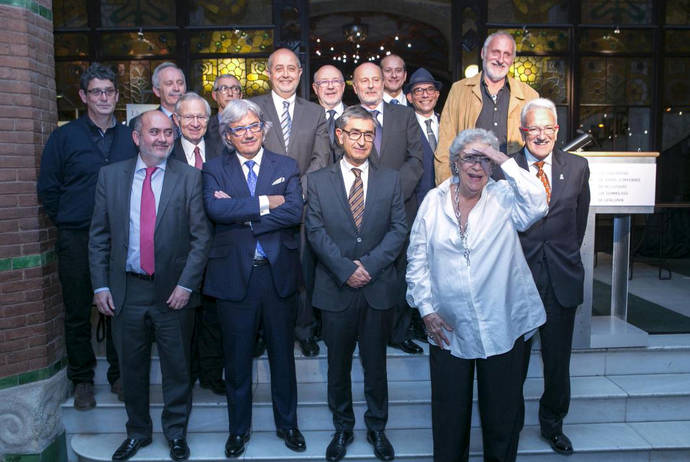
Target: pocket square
{"type": "Point", "coordinates": [278, 181]}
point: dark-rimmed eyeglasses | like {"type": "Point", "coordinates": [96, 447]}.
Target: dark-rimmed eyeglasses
{"type": "Point", "coordinates": [256, 127]}
{"type": "Point", "coordinates": [97, 92]}
{"type": "Point", "coordinates": [471, 159]}
{"type": "Point", "coordinates": [355, 135]}
{"type": "Point", "coordinates": [229, 89]}
{"type": "Point", "coordinates": [419, 91]}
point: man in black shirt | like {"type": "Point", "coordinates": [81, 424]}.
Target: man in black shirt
{"type": "Point", "coordinates": [66, 186]}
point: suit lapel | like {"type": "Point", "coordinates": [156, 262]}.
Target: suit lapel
{"type": "Point", "coordinates": [124, 195]}
{"type": "Point", "coordinates": [170, 185]}
{"type": "Point", "coordinates": [272, 115]}
{"type": "Point", "coordinates": [388, 121]}
{"type": "Point", "coordinates": [371, 194]}
{"type": "Point", "coordinates": [263, 182]}
{"type": "Point", "coordinates": [521, 159]}
{"type": "Point", "coordinates": [341, 194]}
{"type": "Point", "coordinates": [559, 176]}
{"type": "Point", "coordinates": [233, 169]}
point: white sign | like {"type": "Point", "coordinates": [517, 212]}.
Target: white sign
{"type": "Point", "coordinates": [622, 184]}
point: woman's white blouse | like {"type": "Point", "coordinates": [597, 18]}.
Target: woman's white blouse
{"type": "Point", "coordinates": [494, 300]}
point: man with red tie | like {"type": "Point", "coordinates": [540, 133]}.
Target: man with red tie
{"type": "Point", "coordinates": [148, 244]}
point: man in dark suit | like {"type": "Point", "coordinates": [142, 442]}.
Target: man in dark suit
{"type": "Point", "coordinates": [357, 226]}
{"type": "Point", "coordinates": [226, 88]}
{"type": "Point", "coordinates": [194, 147]}
{"type": "Point", "coordinates": [397, 146]}
{"type": "Point", "coordinates": [552, 249]}
{"type": "Point", "coordinates": [329, 86]}
{"type": "Point", "coordinates": [300, 132]}
{"type": "Point", "coordinates": [255, 200]}
{"type": "Point", "coordinates": [149, 240]}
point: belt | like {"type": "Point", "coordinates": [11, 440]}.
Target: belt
{"type": "Point", "coordinates": [259, 262]}
{"type": "Point", "coordinates": [144, 277]}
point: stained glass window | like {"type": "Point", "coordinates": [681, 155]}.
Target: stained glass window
{"type": "Point", "coordinates": [251, 72]}
{"type": "Point", "coordinates": [134, 81]}
{"type": "Point", "coordinates": [528, 11]}
{"type": "Point", "coordinates": [616, 11]}
{"type": "Point", "coordinates": [538, 40]}
{"type": "Point", "coordinates": [139, 44]}
{"type": "Point", "coordinates": [677, 41]}
{"type": "Point", "coordinates": [232, 41]}
{"type": "Point", "coordinates": [678, 12]}
{"type": "Point", "coordinates": [615, 81]}
{"type": "Point", "coordinates": [546, 75]}
{"type": "Point", "coordinates": [607, 40]}
{"type": "Point", "coordinates": [69, 13]}
{"type": "Point", "coordinates": [224, 12]}
{"type": "Point", "coordinates": [70, 44]}
{"type": "Point", "coordinates": [125, 13]}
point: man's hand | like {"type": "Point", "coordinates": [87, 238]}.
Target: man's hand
{"type": "Point", "coordinates": [221, 195]}
{"type": "Point", "coordinates": [179, 298]}
{"type": "Point", "coordinates": [104, 302]}
{"type": "Point", "coordinates": [434, 327]}
{"type": "Point", "coordinates": [360, 277]}
{"type": "Point", "coordinates": [275, 201]}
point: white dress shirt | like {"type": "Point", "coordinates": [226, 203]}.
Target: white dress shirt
{"type": "Point", "coordinates": [263, 200]}
{"type": "Point", "coordinates": [349, 177]}
{"type": "Point", "coordinates": [492, 301]}
{"type": "Point", "coordinates": [531, 159]}
{"type": "Point", "coordinates": [402, 99]}
{"type": "Point", "coordinates": [422, 123]}
{"type": "Point", "coordinates": [188, 148]}
{"type": "Point", "coordinates": [338, 108]}
{"type": "Point", "coordinates": [379, 108]}
{"type": "Point", "coordinates": [278, 103]}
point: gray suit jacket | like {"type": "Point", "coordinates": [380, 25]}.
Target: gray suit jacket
{"type": "Point", "coordinates": [309, 142]}
{"type": "Point", "coordinates": [213, 149]}
{"type": "Point", "coordinates": [182, 235]}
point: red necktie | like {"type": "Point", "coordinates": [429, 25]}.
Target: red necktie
{"type": "Point", "coordinates": [198, 161]}
{"type": "Point", "coordinates": [147, 224]}
{"type": "Point", "coordinates": [544, 179]}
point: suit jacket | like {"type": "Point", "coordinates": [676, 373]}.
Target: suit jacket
{"type": "Point", "coordinates": [309, 142]}
{"type": "Point", "coordinates": [335, 240]}
{"type": "Point", "coordinates": [401, 150]}
{"type": "Point", "coordinates": [555, 240]}
{"type": "Point", "coordinates": [212, 149]}
{"type": "Point", "coordinates": [336, 148]}
{"type": "Point", "coordinates": [238, 224]}
{"type": "Point", "coordinates": [182, 234]}
{"type": "Point", "coordinates": [427, 181]}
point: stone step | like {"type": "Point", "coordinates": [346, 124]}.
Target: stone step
{"type": "Point", "coordinates": [595, 399]}
{"type": "Point", "coordinates": [612, 442]}
{"type": "Point", "coordinates": [405, 367]}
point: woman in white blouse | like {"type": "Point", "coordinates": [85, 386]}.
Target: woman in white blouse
{"type": "Point", "coordinates": [467, 276]}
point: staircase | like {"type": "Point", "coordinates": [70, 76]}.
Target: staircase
{"type": "Point", "coordinates": [628, 404]}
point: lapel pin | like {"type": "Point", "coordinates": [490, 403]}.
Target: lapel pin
{"type": "Point", "coordinates": [561, 177]}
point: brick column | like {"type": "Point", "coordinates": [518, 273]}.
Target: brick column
{"type": "Point", "coordinates": [32, 377]}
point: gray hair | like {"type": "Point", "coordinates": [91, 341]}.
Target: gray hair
{"type": "Point", "coordinates": [155, 78]}
{"type": "Point", "coordinates": [538, 103]}
{"type": "Point", "coordinates": [269, 63]}
{"type": "Point", "coordinates": [235, 111]}
{"type": "Point", "coordinates": [499, 33]}
{"type": "Point", "coordinates": [471, 135]}
{"type": "Point", "coordinates": [224, 76]}
{"type": "Point", "coordinates": [189, 96]}
{"type": "Point", "coordinates": [353, 112]}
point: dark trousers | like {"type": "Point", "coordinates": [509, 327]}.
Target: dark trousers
{"type": "Point", "coordinates": [207, 349]}
{"type": "Point", "coordinates": [239, 322]}
{"type": "Point", "coordinates": [72, 248]}
{"type": "Point", "coordinates": [501, 403]}
{"type": "Point", "coordinates": [308, 318]}
{"type": "Point", "coordinates": [556, 337]}
{"type": "Point", "coordinates": [342, 330]}
{"type": "Point", "coordinates": [141, 320]}
{"type": "Point", "coordinates": [402, 313]}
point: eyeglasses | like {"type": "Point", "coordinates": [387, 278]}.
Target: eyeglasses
{"type": "Point", "coordinates": [419, 91]}
{"type": "Point", "coordinates": [327, 83]}
{"type": "Point", "coordinates": [256, 127]}
{"type": "Point", "coordinates": [189, 118]}
{"type": "Point", "coordinates": [227, 89]}
{"type": "Point", "coordinates": [102, 91]}
{"type": "Point", "coordinates": [534, 131]}
{"type": "Point", "coordinates": [472, 159]}
{"type": "Point", "coordinates": [355, 135]}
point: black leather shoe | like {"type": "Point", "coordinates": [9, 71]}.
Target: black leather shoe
{"type": "Point", "coordinates": [129, 447]}
{"type": "Point", "coordinates": [293, 439]}
{"type": "Point", "coordinates": [337, 448]}
{"type": "Point", "coordinates": [560, 443]}
{"type": "Point", "coordinates": [259, 346]}
{"type": "Point", "coordinates": [216, 386]}
{"type": "Point", "coordinates": [408, 346]}
{"type": "Point", "coordinates": [179, 449]}
{"type": "Point", "coordinates": [383, 449]}
{"type": "Point", "coordinates": [309, 346]}
{"type": "Point", "coordinates": [234, 446]}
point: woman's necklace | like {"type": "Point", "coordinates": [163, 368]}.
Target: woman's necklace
{"type": "Point", "coordinates": [462, 230]}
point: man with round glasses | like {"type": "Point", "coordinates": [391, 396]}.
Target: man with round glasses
{"type": "Point", "coordinates": [329, 86]}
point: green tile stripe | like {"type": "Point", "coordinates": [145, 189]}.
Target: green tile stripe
{"type": "Point", "coordinates": [32, 6]}
{"type": "Point", "coordinates": [55, 452]}
{"type": "Point", "coordinates": [33, 376]}
{"type": "Point", "coordinates": [27, 261]}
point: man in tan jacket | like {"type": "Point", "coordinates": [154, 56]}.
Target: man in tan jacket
{"type": "Point", "coordinates": [489, 100]}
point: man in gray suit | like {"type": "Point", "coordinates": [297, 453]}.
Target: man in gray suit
{"type": "Point", "coordinates": [299, 131]}
{"type": "Point", "coordinates": [148, 244]}
{"type": "Point", "coordinates": [397, 146]}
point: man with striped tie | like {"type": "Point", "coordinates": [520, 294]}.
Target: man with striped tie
{"type": "Point", "coordinates": [356, 225]}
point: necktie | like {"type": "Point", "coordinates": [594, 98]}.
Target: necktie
{"type": "Point", "coordinates": [251, 183]}
{"type": "Point", "coordinates": [377, 139]}
{"type": "Point", "coordinates": [198, 161]}
{"type": "Point", "coordinates": [286, 123]}
{"type": "Point", "coordinates": [331, 124]}
{"type": "Point", "coordinates": [394, 101]}
{"type": "Point", "coordinates": [176, 129]}
{"type": "Point", "coordinates": [147, 224]}
{"type": "Point", "coordinates": [430, 135]}
{"type": "Point", "coordinates": [356, 198]}
{"type": "Point", "coordinates": [544, 179]}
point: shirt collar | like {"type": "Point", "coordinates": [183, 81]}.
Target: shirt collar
{"type": "Point", "coordinates": [506, 85]}
{"type": "Point", "coordinates": [141, 165]}
{"type": "Point", "coordinates": [92, 124]}
{"type": "Point", "coordinates": [165, 111]}
{"type": "Point", "coordinates": [278, 100]}
{"type": "Point", "coordinates": [422, 120]}
{"type": "Point", "coordinates": [345, 165]}
{"type": "Point", "coordinates": [378, 108]}
{"type": "Point", "coordinates": [339, 108]}
{"type": "Point", "coordinates": [188, 146]}
{"type": "Point", "coordinates": [531, 159]}
{"type": "Point", "coordinates": [257, 158]}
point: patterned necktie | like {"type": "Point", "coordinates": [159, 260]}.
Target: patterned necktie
{"type": "Point", "coordinates": [251, 183]}
{"type": "Point", "coordinates": [147, 224]}
{"type": "Point", "coordinates": [198, 161]}
{"type": "Point", "coordinates": [356, 198]}
{"type": "Point", "coordinates": [394, 101]}
{"type": "Point", "coordinates": [377, 139]}
{"type": "Point", "coordinates": [544, 179]}
{"type": "Point", "coordinates": [286, 123]}
{"type": "Point", "coordinates": [331, 124]}
{"type": "Point", "coordinates": [430, 135]}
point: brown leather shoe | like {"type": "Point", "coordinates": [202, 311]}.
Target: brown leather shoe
{"type": "Point", "coordinates": [84, 398]}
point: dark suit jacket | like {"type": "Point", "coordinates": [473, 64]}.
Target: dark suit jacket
{"type": "Point", "coordinates": [309, 142]}
{"type": "Point", "coordinates": [213, 150]}
{"type": "Point", "coordinates": [401, 150]}
{"type": "Point", "coordinates": [427, 182]}
{"type": "Point", "coordinates": [181, 238]}
{"type": "Point", "coordinates": [234, 243]}
{"type": "Point", "coordinates": [336, 241]}
{"type": "Point", "coordinates": [556, 239]}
